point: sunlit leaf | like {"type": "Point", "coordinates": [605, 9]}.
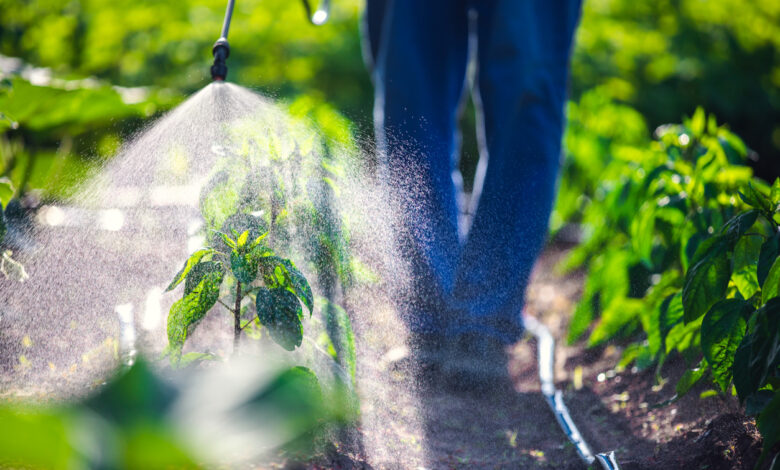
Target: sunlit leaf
{"type": "Point", "coordinates": [706, 281]}
{"type": "Point", "coordinates": [771, 286]}
{"type": "Point", "coordinates": [746, 254]}
{"type": "Point", "coordinates": [188, 311]}
{"type": "Point", "coordinates": [188, 265]}
{"type": "Point", "coordinates": [722, 330]}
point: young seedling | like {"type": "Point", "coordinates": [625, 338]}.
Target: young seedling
{"type": "Point", "coordinates": [241, 258]}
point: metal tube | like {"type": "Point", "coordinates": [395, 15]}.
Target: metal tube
{"type": "Point", "coordinates": [228, 16]}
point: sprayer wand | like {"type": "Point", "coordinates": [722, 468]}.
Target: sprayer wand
{"type": "Point", "coordinates": [221, 49]}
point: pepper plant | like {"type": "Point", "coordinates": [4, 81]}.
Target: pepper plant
{"type": "Point", "coordinates": [269, 198]}
{"type": "Point", "coordinates": [681, 249]}
{"type": "Point", "coordinates": [252, 270]}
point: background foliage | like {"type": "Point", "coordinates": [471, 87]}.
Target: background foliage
{"type": "Point", "coordinates": [78, 76]}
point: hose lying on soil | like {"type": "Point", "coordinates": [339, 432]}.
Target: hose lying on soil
{"type": "Point", "coordinates": [546, 350]}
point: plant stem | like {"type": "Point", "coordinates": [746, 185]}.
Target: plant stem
{"type": "Point", "coordinates": [237, 318]}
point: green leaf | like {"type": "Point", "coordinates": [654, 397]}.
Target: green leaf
{"type": "Point", "coordinates": [6, 193]}
{"type": "Point", "coordinates": [198, 272]}
{"type": "Point", "coordinates": [228, 241]}
{"type": "Point", "coordinates": [770, 250]}
{"type": "Point", "coordinates": [722, 331]}
{"type": "Point", "coordinates": [756, 402]}
{"type": "Point", "coordinates": [299, 284]}
{"type": "Point", "coordinates": [243, 265]}
{"type": "Point", "coordinates": [643, 231]}
{"type": "Point", "coordinates": [188, 265]}
{"type": "Point", "coordinates": [771, 285]}
{"type": "Point", "coordinates": [239, 223]}
{"type": "Point", "coordinates": [758, 355]}
{"type": "Point", "coordinates": [707, 280]}
{"type": "Point", "coordinates": [744, 372]}
{"type": "Point", "coordinates": [690, 378]}
{"type": "Point", "coordinates": [279, 310]}
{"type": "Point", "coordinates": [739, 224]}
{"type": "Point", "coordinates": [671, 314]}
{"type": "Point", "coordinates": [242, 239]}
{"type": "Point", "coordinates": [188, 311]}
{"type": "Point", "coordinates": [698, 122]}
{"type": "Point", "coordinates": [194, 358]}
{"type": "Point", "coordinates": [774, 192]}
{"type": "Point", "coordinates": [768, 423]}
{"type": "Point", "coordinates": [755, 199]}
{"type": "Point", "coordinates": [746, 254]}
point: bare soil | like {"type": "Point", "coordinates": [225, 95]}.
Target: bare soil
{"type": "Point", "coordinates": [511, 426]}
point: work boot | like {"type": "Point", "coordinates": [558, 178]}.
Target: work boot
{"type": "Point", "coordinates": [476, 363]}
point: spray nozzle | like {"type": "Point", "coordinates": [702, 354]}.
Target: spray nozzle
{"type": "Point", "coordinates": [221, 51]}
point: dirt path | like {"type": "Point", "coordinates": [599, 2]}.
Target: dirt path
{"type": "Point", "coordinates": [409, 425]}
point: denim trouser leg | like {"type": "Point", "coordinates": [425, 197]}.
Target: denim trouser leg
{"type": "Point", "coordinates": [419, 51]}
{"type": "Point", "coordinates": [523, 56]}
{"type": "Point", "coordinates": [419, 73]}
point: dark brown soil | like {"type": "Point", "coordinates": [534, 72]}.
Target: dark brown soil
{"type": "Point", "coordinates": [615, 410]}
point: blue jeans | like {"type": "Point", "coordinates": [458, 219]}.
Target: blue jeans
{"type": "Point", "coordinates": [418, 51]}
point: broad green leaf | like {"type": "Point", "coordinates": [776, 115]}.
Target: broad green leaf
{"type": "Point", "coordinates": [280, 311]}
{"type": "Point", "coordinates": [708, 247]}
{"type": "Point", "coordinates": [188, 265]}
{"type": "Point", "coordinates": [618, 315]}
{"type": "Point", "coordinates": [746, 254]}
{"type": "Point", "coordinates": [671, 314]}
{"type": "Point", "coordinates": [756, 402]}
{"type": "Point", "coordinates": [294, 399]}
{"type": "Point", "coordinates": [722, 331]}
{"type": "Point", "coordinates": [643, 231]}
{"type": "Point", "coordinates": [758, 355]}
{"type": "Point", "coordinates": [188, 311]}
{"type": "Point", "coordinates": [756, 199]}
{"type": "Point", "coordinates": [198, 272]}
{"type": "Point", "coordinates": [698, 122]}
{"type": "Point", "coordinates": [230, 243]}
{"type": "Point", "coordinates": [299, 285]}
{"type": "Point", "coordinates": [774, 193]}
{"type": "Point", "coordinates": [6, 192]}
{"type": "Point", "coordinates": [134, 396]}
{"type": "Point", "coordinates": [38, 438]}
{"type": "Point", "coordinates": [739, 224]}
{"type": "Point", "coordinates": [684, 337]}
{"type": "Point", "coordinates": [746, 379]}
{"type": "Point", "coordinates": [244, 265]}
{"type": "Point", "coordinates": [706, 281]}
{"type": "Point", "coordinates": [770, 251]}
{"type": "Point", "coordinates": [771, 285]}
{"type": "Point", "coordinates": [768, 423]}
{"type": "Point", "coordinates": [690, 378]}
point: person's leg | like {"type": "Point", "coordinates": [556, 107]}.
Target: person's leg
{"type": "Point", "coordinates": [419, 75]}
{"type": "Point", "coordinates": [523, 56]}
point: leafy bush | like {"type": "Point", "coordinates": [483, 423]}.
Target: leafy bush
{"type": "Point", "coordinates": [673, 249]}
{"type": "Point", "coordinates": [272, 189]}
